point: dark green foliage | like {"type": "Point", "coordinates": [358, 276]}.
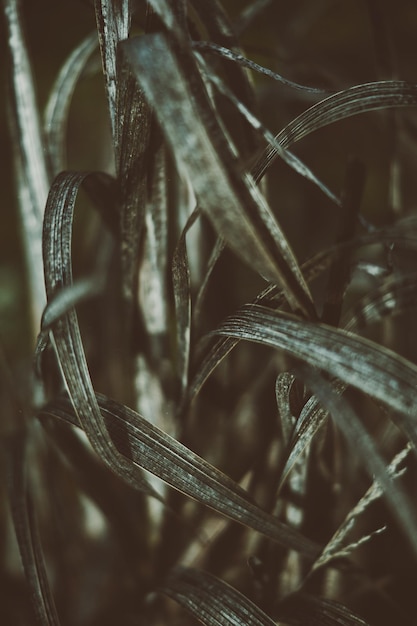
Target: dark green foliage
{"type": "Point", "coordinates": [210, 415]}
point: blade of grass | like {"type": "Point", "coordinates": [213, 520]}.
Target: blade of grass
{"type": "Point", "coordinates": [365, 365]}
{"type": "Point", "coordinates": [346, 103]}
{"type": "Point", "coordinates": [25, 526]}
{"type": "Point", "coordinates": [272, 296]}
{"type": "Point", "coordinates": [290, 159]}
{"type": "Point", "coordinates": [158, 453]}
{"type": "Point", "coordinates": [31, 172]}
{"type": "Point", "coordinates": [231, 201]}
{"type": "Point", "coordinates": [302, 608]}
{"type": "Point", "coordinates": [338, 546]}
{"type": "Point", "coordinates": [212, 601]}
{"type": "Point", "coordinates": [182, 296]}
{"type": "Point", "coordinates": [225, 53]}
{"type": "Point", "coordinates": [65, 331]}
{"type": "Point", "coordinates": [113, 24]}
{"type": "Point", "coordinates": [362, 444]}
{"type": "Point", "coordinates": [58, 105]}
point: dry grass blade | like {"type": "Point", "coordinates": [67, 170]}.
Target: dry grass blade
{"type": "Point", "coordinates": [65, 331]}
{"type": "Point", "coordinates": [338, 545]}
{"type": "Point", "coordinates": [113, 24]}
{"type": "Point", "coordinates": [348, 421]}
{"type": "Point", "coordinates": [310, 421]}
{"type": "Point", "coordinates": [56, 113]}
{"type": "Point", "coordinates": [133, 143]}
{"type": "Point", "coordinates": [182, 296]}
{"type": "Point", "coordinates": [352, 101]}
{"type": "Point", "coordinates": [396, 295]}
{"type": "Point", "coordinates": [290, 159]}
{"type": "Point", "coordinates": [179, 467]}
{"type": "Point", "coordinates": [225, 53]}
{"type": "Point", "coordinates": [211, 601]}
{"type": "Point", "coordinates": [231, 201]}
{"type": "Point", "coordinates": [371, 368]}
{"type": "Point", "coordinates": [272, 296]}
{"type": "Point", "coordinates": [25, 526]}
{"type": "Point", "coordinates": [30, 166]}
{"type": "Point", "coordinates": [153, 283]}
{"type": "Point", "coordinates": [302, 608]}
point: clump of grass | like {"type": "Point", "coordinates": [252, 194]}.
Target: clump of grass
{"type": "Point", "coordinates": [216, 422]}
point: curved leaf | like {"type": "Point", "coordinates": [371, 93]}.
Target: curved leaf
{"type": "Point", "coordinates": [231, 201]}
{"type": "Point", "coordinates": [65, 330]}
{"type": "Point", "coordinates": [346, 103]}
{"type": "Point", "coordinates": [375, 370]}
{"type": "Point", "coordinates": [57, 108]}
{"type": "Point", "coordinates": [152, 449]}
{"type": "Point", "coordinates": [301, 608]}
{"type": "Point", "coordinates": [212, 601]}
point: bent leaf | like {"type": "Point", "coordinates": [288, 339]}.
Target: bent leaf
{"type": "Point", "coordinates": [152, 449]}
{"type": "Point", "coordinates": [371, 368]}
{"type": "Point", "coordinates": [231, 200]}
{"type": "Point", "coordinates": [212, 601]}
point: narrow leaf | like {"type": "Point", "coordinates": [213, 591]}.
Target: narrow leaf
{"type": "Point", "coordinates": [182, 296]}
{"type": "Point", "coordinates": [57, 108]}
{"type": "Point", "coordinates": [65, 331]}
{"type": "Point", "coordinates": [212, 601]}
{"type": "Point", "coordinates": [25, 526]}
{"type": "Point", "coordinates": [158, 453]}
{"type": "Point", "coordinates": [232, 202]}
{"type": "Point", "coordinates": [301, 609]}
{"type": "Point", "coordinates": [362, 444]}
{"type": "Point", "coordinates": [359, 362]}
{"type": "Point", "coordinates": [346, 103]}
{"type": "Point", "coordinates": [31, 172]}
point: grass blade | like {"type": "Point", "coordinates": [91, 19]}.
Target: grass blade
{"type": "Point", "coordinates": [365, 365]}
{"type": "Point", "coordinates": [182, 469]}
{"type": "Point", "coordinates": [301, 608]}
{"type": "Point", "coordinates": [349, 423]}
{"type": "Point", "coordinates": [211, 601]}
{"type": "Point", "coordinates": [346, 103]}
{"type": "Point", "coordinates": [231, 201]}
{"type": "Point", "coordinates": [65, 331]}
{"type": "Point", "coordinates": [57, 108]}
{"type": "Point", "coordinates": [25, 525]}
{"type": "Point", "coordinates": [31, 171]}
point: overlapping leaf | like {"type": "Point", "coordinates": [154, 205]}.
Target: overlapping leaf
{"type": "Point", "coordinates": [65, 331]}
{"type": "Point", "coordinates": [346, 103]}
{"type": "Point", "coordinates": [402, 236]}
{"type": "Point", "coordinates": [231, 201]}
{"type": "Point", "coordinates": [302, 608]}
{"type": "Point", "coordinates": [179, 467]}
{"type": "Point", "coordinates": [56, 113]}
{"type": "Point", "coordinates": [31, 171]}
{"type": "Point", "coordinates": [25, 524]}
{"type": "Point", "coordinates": [375, 370]}
{"type": "Point", "coordinates": [211, 601]}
